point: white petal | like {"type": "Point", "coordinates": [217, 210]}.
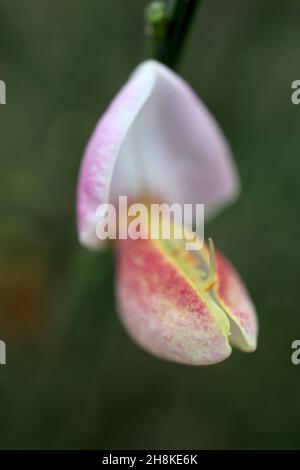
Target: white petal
{"type": "Point", "coordinates": [156, 140]}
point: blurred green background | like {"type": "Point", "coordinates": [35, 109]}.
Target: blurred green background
{"type": "Point", "coordinates": [73, 378]}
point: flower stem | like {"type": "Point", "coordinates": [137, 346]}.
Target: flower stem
{"type": "Point", "coordinates": [167, 25]}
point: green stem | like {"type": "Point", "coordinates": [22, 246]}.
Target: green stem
{"type": "Point", "coordinates": [168, 24]}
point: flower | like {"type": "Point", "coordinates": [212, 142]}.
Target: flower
{"type": "Point", "coordinates": [157, 141]}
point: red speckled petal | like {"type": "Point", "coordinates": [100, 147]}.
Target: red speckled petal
{"type": "Point", "coordinates": [163, 311]}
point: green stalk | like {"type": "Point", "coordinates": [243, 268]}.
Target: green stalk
{"type": "Point", "coordinates": [167, 26]}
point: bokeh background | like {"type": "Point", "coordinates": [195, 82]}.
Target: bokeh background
{"type": "Point", "coordinates": [73, 378]}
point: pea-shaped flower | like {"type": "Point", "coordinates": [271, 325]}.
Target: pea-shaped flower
{"type": "Point", "coordinates": [158, 142]}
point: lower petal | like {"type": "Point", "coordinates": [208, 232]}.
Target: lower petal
{"type": "Point", "coordinates": [163, 311]}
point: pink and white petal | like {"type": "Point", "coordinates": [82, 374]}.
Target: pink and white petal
{"type": "Point", "coordinates": [241, 311]}
{"type": "Point", "coordinates": [157, 140]}
{"type": "Point", "coordinates": [102, 151]}
{"type": "Point", "coordinates": [163, 312]}
{"type": "Point", "coordinates": [179, 147]}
